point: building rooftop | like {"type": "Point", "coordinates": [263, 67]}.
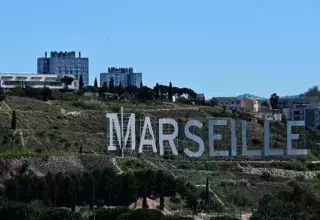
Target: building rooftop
{"type": "Point", "coordinates": [225, 98]}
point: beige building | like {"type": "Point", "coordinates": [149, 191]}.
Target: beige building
{"type": "Point", "coordinates": [228, 102]}
{"type": "Point", "coordinates": [251, 105]}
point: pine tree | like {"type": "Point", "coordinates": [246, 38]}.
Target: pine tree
{"type": "Point", "coordinates": [2, 95]}
{"type": "Point", "coordinates": [157, 91]}
{"type": "Point", "coordinates": [81, 84]}
{"type": "Point", "coordinates": [95, 83]}
{"type": "Point", "coordinates": [14, 120]}
{"type": "Point", "coordinates": [144, 201]}
{"type": "Point", "coordinates": [111, 84]}
{"type": "Point", "coordinates": [207, 196]}
{"type": "Point", "coordinates": [162, 196]}
{"type": "Point", "coordinates": [170, 92]}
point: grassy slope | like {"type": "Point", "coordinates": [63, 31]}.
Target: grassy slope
{"type": "Point", "coordinates": [60, 127]}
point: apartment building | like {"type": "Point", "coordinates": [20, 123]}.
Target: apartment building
{"type": "Point", "coordinates": [52, 81]}
{"type": "Point", "coordinates": [64, 63]}
{"type": "Point", "coordinates": [125, 76]}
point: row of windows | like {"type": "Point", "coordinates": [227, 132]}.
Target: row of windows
{"type": "Point", "coordinates": [232, 103]}
{"type": "Point", "coordinates": [31, 83]}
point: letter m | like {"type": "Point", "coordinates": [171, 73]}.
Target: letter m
{"type": "Point", "coordinates": [119, 132]}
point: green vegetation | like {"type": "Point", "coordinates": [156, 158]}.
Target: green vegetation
{"type": "Point", "coordinates": [296, 201]}
{"type": "Point", "coordinates": [14, 121]}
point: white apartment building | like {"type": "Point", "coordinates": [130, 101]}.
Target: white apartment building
{"type": "Point", "coordinates": [52, 81]}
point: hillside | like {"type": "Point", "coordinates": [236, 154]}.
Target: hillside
{"type": "Point", "coordinates": [50, 134]}
{"type": "Point", "coordinates": [65, 125]}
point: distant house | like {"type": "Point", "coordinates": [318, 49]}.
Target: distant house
{"type": "Point", "coordinates": [250, 104]}
{"type": "Point", "coordinates": [228, 102]}
{"type": "Point", "coordinates": [201, 98]}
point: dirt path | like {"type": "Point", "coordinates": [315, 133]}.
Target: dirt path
{"type": "Point", "coordinates": [114, 161]}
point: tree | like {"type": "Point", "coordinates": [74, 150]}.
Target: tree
{"type": "Point", "coordinates": [274, 100]}
{"type": "Point", "coordinates": [314, 91]}
{"type": "Point", "coordinates": [18, 211]}
{"type": "Point", "coordinates": [14, 120]}
{"type": "Point", "coordinates": [46, 94]}
{"type": "Point", "coordinates": [111, 84]}
{"type": "Point", "coordinates": [95, 83]}
{"type": "Point", "coordinates": [2, 95]}
{"type": "Point", "coordinates": [296, 201]}
{"type": "Point", "coordinates": [144, 201]}
{"type": "Point", "coordinates": [141, 84]}
{"type": "Point", "coordinates": [144, 94]}
{"type": "Point", "coordinates": [67, 80]}
{"type": "Point", "coordinates": [81, 84]}
{"type": "Point", "coordinates": [170, 92]}
{"type": "Point", "coordinates": [157, 91]}
{"type": "Point", "coordinates": [207, 196]}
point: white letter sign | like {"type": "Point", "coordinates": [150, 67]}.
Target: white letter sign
{"type": "Point", "coordinates": [149, 142]}
{"type": "Point", "coordinates": [245, 151]}
{"type": "Point", "coordinates": [195, 138]}
{"type": "Point", "coordinates": [290, 137]}
{"type": "Point", "coordinates": [168, 137]}
{"type": "Point", "coordinates": [213, 136]}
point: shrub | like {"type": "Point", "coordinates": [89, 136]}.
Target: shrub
{"type": "Point", "coordinates": [256, 141]}
{"type": "Point", "coordinates": [266, 176]}
{"type": "Point", "coordinates": [279, 138]}
{"type": "Point", "coordinates": [300, 178]}
{"type": "Point", "coordinates": [224, 218]}
{"type": "Point", "coordinates": [18, 211]}
{"type": "Point", "coordinates": [177, 217]}
{"type": "Point", "coordinates": [313, 166]}
{"type": "Point", "coordinates": [318, 176]}
{"type": "Point", "coordinates": [90, 105]}
{"type": "Point", "coordinates": [142, 214]}
{"type": "Point", "coordinates": [56, 213]}
{"type": "Point", "coordinates": [111, 214]}
{"type": "Point", "coordinates": [23, 167]}
{"type": "Point", "coordinates": [228, 183]}
{"type": "Point", "coordinates": [175, 200]}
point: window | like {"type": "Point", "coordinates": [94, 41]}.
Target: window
{"type": "Point", "coordinates": [36, 78]}
{"type": "Point", "coordinates": [6, 77]}
{"type": "Point", "coordinates": [21, 78]}
{"type": "Point", "coordinates": [232, 102]}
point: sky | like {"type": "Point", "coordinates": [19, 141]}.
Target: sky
{"type": "Point", "coordinates": [220, 48]}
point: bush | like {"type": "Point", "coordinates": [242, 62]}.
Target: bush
{"type": "Point", "coordinates": [176, 217]}
{"type": "Point", "coordinates": [300, 178]}
{"type": "Point", "coordinates": [228, 183]}
{"type": "Point", "coordinates": [256, 141]}
{"type": "Point", "coordinates": [224, 218]}
{"type": "Point", "coordinates": [175, 200]}
{"type": "Point", "coordinates": [90, 105]}
{"type": "Point", "coordinates": [56, 213]}
{"type": "Point", "coordinates": [313, 166]}
{"type": "Point", "coordinates": [142, 214]}
{"type": "Point", "coordinates": [111, 214]}
{"type": "Point", "coordinates": [18, 211]}
{"type": "Point", "coordinates": [266, 176]}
